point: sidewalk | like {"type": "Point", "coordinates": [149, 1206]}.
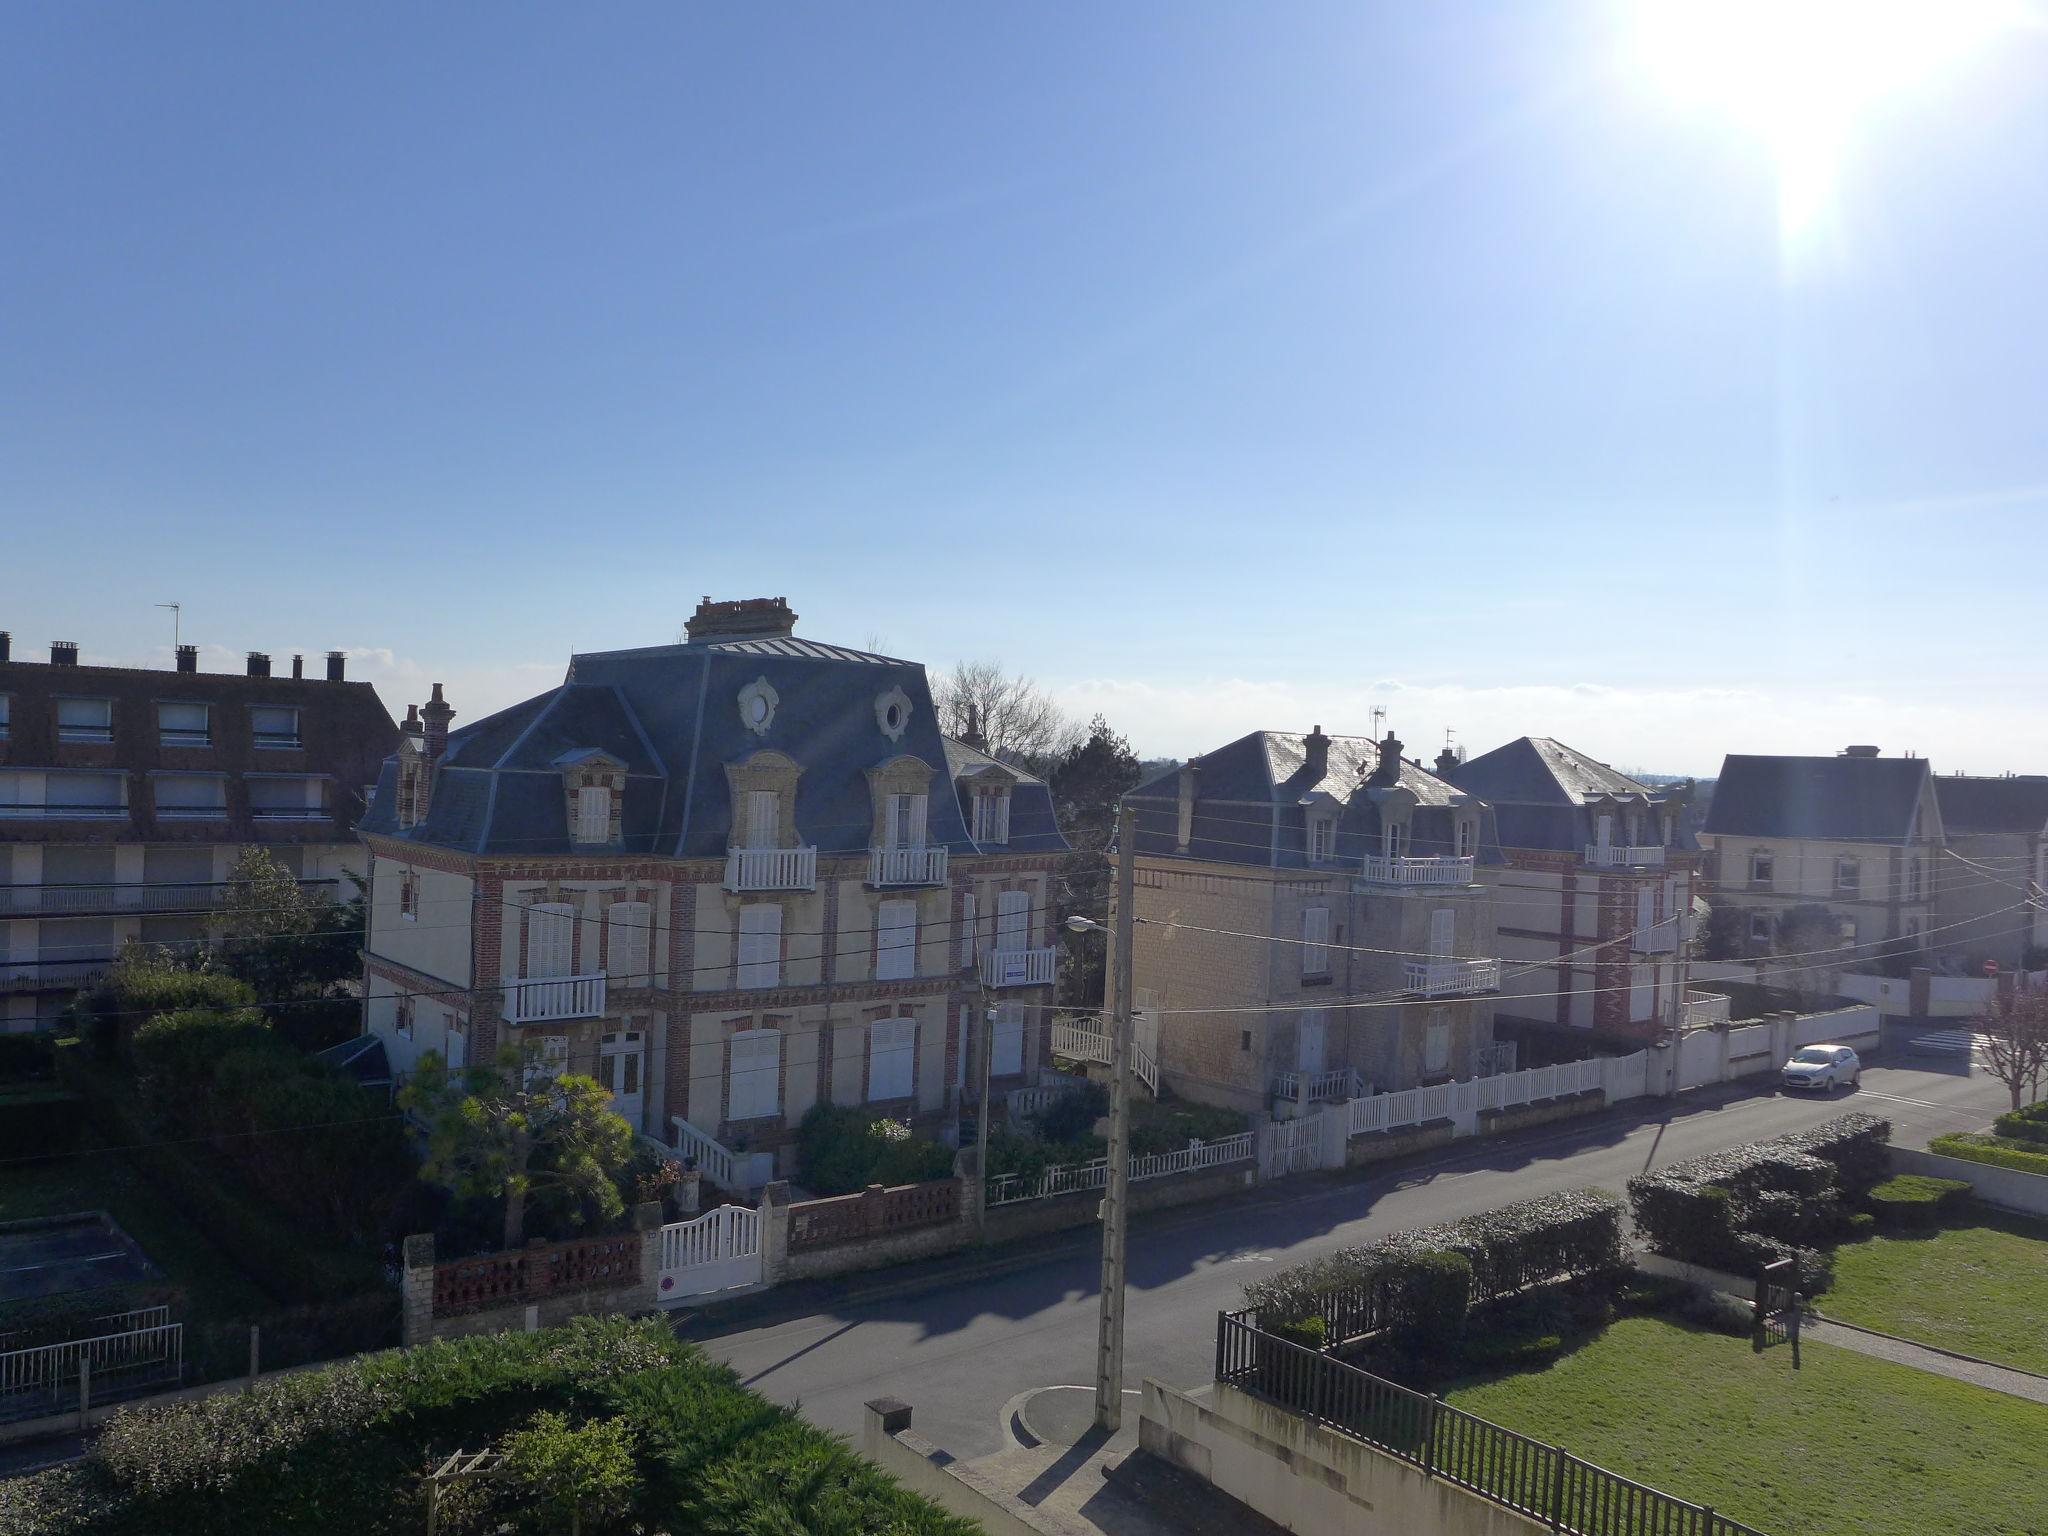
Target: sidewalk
{"type": "Point", "coordinates": [1883, 1346]}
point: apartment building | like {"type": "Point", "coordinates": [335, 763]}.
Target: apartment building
{"type": "Point", "coordinates": [731, 878]}
{"type": "Point", "coordinates": [1997, 830]}
{"type": "Point", "coordinates": [1594, 894]}
{"type": "Point", "coordinates": [127, 794]}
{"type": "Point", "coordinates": [1312, 922]}
{"type": "Point", "coordinates": [1859, 835]}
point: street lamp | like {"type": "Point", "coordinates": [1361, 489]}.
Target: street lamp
{"type": "Point", "coordinates": [1109, 1342]}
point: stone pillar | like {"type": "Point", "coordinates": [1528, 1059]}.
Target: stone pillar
{"type": "Point", "coordinates": [973, 1188]}
{"type": "Point", "coordinates": [774, 1210]}
{"type": "Point", "coordinates": [646, 1219]}
{"type": "Point", "coordinates": [418, 1293]}
{"type": "Point", "coordinates": [1920, 1001]}
{"type": "Point", "coordinates": [690, 1193]}
{"type": "Point", "coordinates": [1262, 1146]}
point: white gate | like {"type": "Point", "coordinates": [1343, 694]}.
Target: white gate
{"type": "Point", "coordinates": [719, 1251]}
{"type": "Point", "coordinates": [1296, 1147]}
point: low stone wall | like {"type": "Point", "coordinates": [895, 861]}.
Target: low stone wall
{"type": "Point", "coordinates": [536, 1286]}
{"type": "Point", "coordinates": [2007, 1188]}
{"type": "Point", "coordinates": [1379, 1146]}
{"type": "Point", "coordinates": [891, 1444]}
{"type": "Point", "coordinates": [1306, 1478]}
{"type": "Point", "coordinates": [1495, 1122]}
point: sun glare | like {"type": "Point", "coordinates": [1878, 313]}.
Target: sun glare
{"type": "Point", "coordinates": [1801, 73]}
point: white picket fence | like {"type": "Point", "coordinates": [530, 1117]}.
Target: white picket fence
{"type": "Point", "coordinates": [1622, 1077]}
{"type": "Point", "coordinates": [1008, 1188]}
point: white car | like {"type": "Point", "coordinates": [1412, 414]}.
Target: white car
{"type": "Point", "coordinates": [1825, 1067]}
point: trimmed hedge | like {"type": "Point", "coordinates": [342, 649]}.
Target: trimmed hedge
{"type": "Point", "coordinates": [1916, 1200]}
{"type": "Point", "coordinates": [1420, 1284]}
{"type": "Point", "coordinates": [2027, 1124]}
{"type": "Point", "coordinates": [345, 1448]}
{"type": "Point", "coordinates": [118, 1003]}
{"type": "Point", "coordinates": [1996, 1151]}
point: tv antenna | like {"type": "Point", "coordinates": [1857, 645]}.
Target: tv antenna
{"type": "Point", "coordinates": [1379, 715]}
{"type": "Point", "coordinates": [177, 623]}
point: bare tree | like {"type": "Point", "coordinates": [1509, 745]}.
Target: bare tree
{"type": "Point", "coordinates": [1008, 713]}
{"type": "Point", "coordinates": [2015, 1042]}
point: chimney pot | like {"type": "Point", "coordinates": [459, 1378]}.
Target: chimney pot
{"type": "Point", "coordinates": [298, 668]}
{"type": "Point", "coordinates": [63, 653]}
{"type": "Point", "coordinates": [259, 664]}
{"type": "Point", "coordinates": [337, 666]}
{"type": "Point", "coordinates": [434, 717]}
{"type": "Point", "coordinates": [1388, 773]}
{"type": "Point", "coordinates": [1316, 746]}
{"type": "Point", "coordinates": [6, 646]}
{"type": "Point", "coordinates": [188, 658]}
{"type": "Point", "coordinates": [1861, 751]}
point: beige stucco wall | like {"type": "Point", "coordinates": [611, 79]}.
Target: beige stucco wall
{"type": "Point", "coordinates": [437, 942]}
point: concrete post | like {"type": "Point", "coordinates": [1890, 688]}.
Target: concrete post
{"type": "Point", "coordinates": [973, 1188]}
{"type": "Point", "coordinates": [774, 1210]}
{"type": "Point", "coordinates": [1336, 1133]}
{"type": "Point", "coordinates": [1262, 1145]}
{"type": "Point", "coordinates": [690, 1193]}
{"type": "Point", "coordinates": [646, 1218]}
{"type": "Point", "coordinates": [418, 1324]}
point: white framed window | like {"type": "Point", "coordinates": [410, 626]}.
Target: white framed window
{"type": "Point", "coordinates": [1315, 941]}
{"type": "Point", "coordinates": [89, 795]}
{"type": "Point", "coordinates": [183, 725]}
{"type": "Point", "coordinates": [402, 1020]}
{"type": "Point", "coordinates": [1013, 920]}
{"type": "Point", "coordinates": [1646, 909]}
{"type": "Point", "coordinates": [892, 1059]}
{"type": "Point", "coordinates": [895, 940]}
{"type": "Point", "coordinates": [1436, 1043]}
{"type": "Point", "coordinates": [1913, 877]}
{"type": "Point", "coordinates": [1443, 933]}
{"type": "Point", "coordinates": [1759, 928]}
{"type": "Point", "coordinates": [992, 817]}
{"type": "Point", "coordinates": [970, 919]}
{"type": "Point", "coordinates": [1603, 832]}
{"type": "Point", "coordinates": [286, 797]}
{"type": "Point", "coordinates": [1394, 840]}
{"type": "Point", "coordinates": [1762, 867]}
{"type": "Point", "coordinates": [85, 719]}
{"type": "Point", "coordinates": [593, 813]}
{"type": "Point", "coordinates": [550, 939]}
{"type": "Point", "coordinates": [189, 796]}
{"type": "Point", "coordinates": [1468, 836]}
{"type": "Point", "coordinates": [630, 926]}
{"type": "Point", "coordinates": [753, 1082]}
{"type": "Point", "coordinates": [760, 945]}
{"type": "Point", "coordinates": [763, 819]}
{"type": "Point", "coordinates": [903, 824]}
{"type": "Point", "coordinates": [548, 1057]}
{"type": "Point", "coordinates": [409, 895]}
{"type": "Point", "coordinates": [1322, 838]}
{"type": "Point", "coordinates": [274, 725]}
{"type": "Point", "coordinates": [1848, 875]}
{"type": "Point", "coordinates": [6, 713]}
{"type": "Point", "coordinates": [1006, 1042]}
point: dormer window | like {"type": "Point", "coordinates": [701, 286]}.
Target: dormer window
{"type": "Point", "coordinates": [594, 813]}
{"type": "Point", "coordinates": [593, 784]}
{"type": "Point", "coordinates": [992, 816]}
{"type": "Point", "coordinates": [1322, 839]}
{"type": "Point", "coordinates": [1394, 839]}
{"type": "Point", "coordinates": [903, 823]}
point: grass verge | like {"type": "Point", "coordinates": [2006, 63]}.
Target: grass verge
{"type": "Point", "coordinates": [1977, 1284]}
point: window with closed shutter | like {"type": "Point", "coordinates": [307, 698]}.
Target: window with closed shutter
{"type": "Point", "coordinates": [1436, 1044]}
{"type": "Point", "coordinates": [593, 814]}
{"type": "Point", "coordinates": [970, 941]}
{"type": "Point", "coordinates": [182, 725]}
{"type": "Point", "coordinates": [754, 1079]}
{"type": "Point", "coordinates": [1443, 932]}
{"type": "Point", "coordinates": [764, 815]}
{"type": "Point", "coordinates": [1007, 1043]}
{"type": "Point", "coordinates": [892, 1059]}
{"type": "Point", "coordinates": [1646, 909]}
{"type": "Point", "coordinates": [627, 944]}
{"type": "Point", "coordinates": [1315, 941]}
{"type": "Point", "coordinates": [1013, 920]}
{"type": "Point", "coordinates": [85, 719]}
{"type": "Point", "coordinates": [190, 796]}
{"type": "Point", "coordinates": [272, 725]}
{"type": "Point", "coordinates": [550, 930]}
{"type": "Point", "coordinates": [1641, 990]}
{"type": "Point", "coordinates": [895, 940]}
{"type": "Point", "coordinates": [285, 797]}
{"type": "Point", "coordinates": [760, 945]}
{"type": "Point", "coordinates": [92, 794]}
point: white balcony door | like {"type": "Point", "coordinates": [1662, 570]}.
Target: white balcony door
{"type": "Point", "coordinates": [1007, 1043]}
{"type": "Point", "coordinates": [763, 819]}
{"type": "Point", "coordinates": [1443, 934]}
{"type": "Point", "coordinates": [754, 1082]}
{"type": "Point", "coordinates": [1646, 909]}
{"type": "Point", "coordinates": [621, 1067]}
{"type": "Point", "coordinates": [629, 944]}
{"type": "Point", "coordinates": [1310, 1034]}
{"type": "Point", "coordinates": [760, 945]}
{"type": "Point", "coordinates": [550, 928]}
{"type": "Point", "coordinates": [904, 821]}
{"type": "Point", "coordinates": [895, 940]}
{"type": "Point", "coordinates": [1013, 920]}
{"type": "Point", "coordinates": [1603, 837]}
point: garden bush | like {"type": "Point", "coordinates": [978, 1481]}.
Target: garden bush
{"type": "Point", "coordinates": [2028, 1124]}
{"type": "Point", "coordinates": [842, 1150]}
{"type": "Point", "coordinates": [1072, 1116]}
{"type": "Point", "coordinates": [136, 989]}
{"type": "Point", "coordinates": [38, 1122]}
{"type": "Point", "coordinates": [26, 1058]}
{"type": "Point", "coordinates": [1994, 1151]}
{"type": "Point", "coordinates": [1853, 1144]}
{"type": "Point", "coordinates": [345, 1448]}
{"type": "Point", "coordinates": [1170, 1124]}
{"type": "Point", "coordinates": [1916, 1200]}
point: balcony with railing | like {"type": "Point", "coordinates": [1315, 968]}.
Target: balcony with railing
{"type": "Point", "coordinates": [771, 869]}
{"type": "Point", "coordinates": [537, 999]}
{"type": "Point", "coordinates": [1625, 856]}
{"type": "Point", "coordinates": [1450, 978]}
{"type": "Point", "coordinates": [907, 866]}
{"type": "Point", "coordinates": [124, 896]}
{"type": "Point", "coordinates": [1400, 870]}
{"type": "Point", "coordinates": [50, 975]}
{"type": "Point", "coordinates": [1020, 967]}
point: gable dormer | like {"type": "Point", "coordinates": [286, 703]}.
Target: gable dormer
{"type": "Point", "coordinates": [985, 791]}
{"type": "Point", "coordinates": [594, 796]}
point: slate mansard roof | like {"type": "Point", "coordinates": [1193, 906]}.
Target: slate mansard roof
{"type": "Point", "coordinates": [672, 716]}
{"type": "Point", "coordinates": [1253, 798]}
{"type": "Point", "coordinates": [2017, 805]}
{"type": "Point", "coordinates": [1544, 793]}
{"type": "Point", "coordinates": [1830, 799]}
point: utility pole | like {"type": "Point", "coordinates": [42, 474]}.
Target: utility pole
{"type": "Point", "coordinates": [1116, 1210]}
{"type": "Point", "coordinates": [988, 1052]}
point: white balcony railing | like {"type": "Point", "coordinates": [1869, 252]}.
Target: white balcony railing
{"type": "Point", "coordinates": [1330, 1087]}
{"type": "Point", "coordinates": [49, 975]}
{"type": "Point", "coordinates": [1703, 1009]}
{"type": "Point", "coordinates": [1382, 870]}
{"type": "Point", "coordinates": [1019, 967]}
{"type": "Point", "coordinates": [907, 866]}
{"type": "Point", "coordinates": [1625, 856]}
{"type": "Point", "coordinates": [1450, 978]}
{"type": "Point", "coordinates": [771, 869]}
{"type": "Point", "coordinates": [534, 999]}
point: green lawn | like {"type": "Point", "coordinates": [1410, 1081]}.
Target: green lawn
{"type": "Point", "coordinates": [92, 1179]}
{"type": "Point", "coordinates": [1849, 1446]}
{"type": "Point", "coordinates": [1978, 1285]}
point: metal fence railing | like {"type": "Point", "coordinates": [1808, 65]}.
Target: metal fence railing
{"type": "Point", "coordinates": [48, 1378]}
{"type": "Point", "coordinates": [1543, 1481]}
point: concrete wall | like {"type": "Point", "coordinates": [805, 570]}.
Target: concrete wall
{"type": "Point", "coordinates": [891, 1444]}
{"type": "Point", "coordinates": [2007, 1188]}
{"type": "Point", "coordinates": [1307, 1478]}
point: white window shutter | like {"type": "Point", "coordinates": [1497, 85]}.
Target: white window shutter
{"type": "Point", "coordinates": [1013, 920]}
{"type": "Point", "coordinates": [549, 927]}
{"type": "Point", "coordinates": [1315, 940]}
{"type": "Point", "coordinates": [1007, 1043]}
{"type": "Point", "coordinates": [892, 1058]}
{"type": "Point", "coordinates": [760, 945]}
{"type": "Point", "coordinates": [754, 1083]}
{"type": "Point", "coordinates": [970, 941]}
{"type": "Point", "coordinates": [1646, 908]}
{"type": "Point", "coordinates": [1443, 932]}
{"type": "Point", "coordinates": [895, 940]}
{"type": "Point", "coordinates": [630, 940]}
{"type": "Point", "coordinates": [763, 818]}
{"type": "Point", "coordinates": [918, 806]}
{"type": "Point", "coordinates": [593, 814]}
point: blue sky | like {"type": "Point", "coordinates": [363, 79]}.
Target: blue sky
{"type": "Point", "coordinates": [1218, 365]}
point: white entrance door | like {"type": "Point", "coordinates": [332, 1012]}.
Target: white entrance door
{"type": "Point", "coordinates": [622, 1064]}
{"type": "Point", "coordinates": [1309, 1033]}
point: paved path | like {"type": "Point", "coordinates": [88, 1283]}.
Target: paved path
{"type": "Point", "coordinates": [1980, 1373]}
{"type": "Point", "coordinates": [958, 1348]}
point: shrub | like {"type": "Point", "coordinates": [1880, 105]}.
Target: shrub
{"type": "Point", "coordinates": [1429, 1296]}
{"type": "Point", "coordinates": [138, 987]}
{"type": "Point", "coordinates": [1995, 1151]}
{"type": "Point", "coordinates": [841, 1150]}
{"type": "Point", "coordinates": [26, 1058]}
{"type": "Point", "coordinates": [1854, 1144]}
{"type": "Point", "coordinates": [2028, 1124]}
{"type": "Point", "coordinates": [560, 1472]}
{"type": "Point", "coordinates": [1916, 1200]}
{"type": "Point", "coordinates": [1719, 1313]}
{"type": "Point", "coordinates": [1858, 1225]}
{"type": "Point", "coordinates": [1680, 1218]}
{"type": "Point", "coordinates": [1170, 1125]}
{"type": "Point", "coordinates": [38, 1122]}
{"type": "Point", "coordinates": [1072, 1116]}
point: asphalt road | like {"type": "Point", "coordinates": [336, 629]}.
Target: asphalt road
{"type": "Point", "coordinates": [961, 1349]}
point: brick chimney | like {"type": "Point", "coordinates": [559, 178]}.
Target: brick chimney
{"type": "Point", "coordinates": [1184, 820]}
{"type": "Point", "coordinates": [337, 666]}
{"type": "Point", "coordinates": [188, 658]}
{"type": "Point", "coordinates": [973, 735]}
{"type": "Point", "coordinates": [1447, 763]}
{"type": "Point", "coordinates": [1388, 773]}
{"type": "Point", "coordinates": [63, 653]}
{"type": "Point", "coordinates": [298, 668]}
{"type": "Point", "coordinates": [1317, 746]}
{"type": "Point", "coordinates": [259, 664]}
{"type": "Point", "coordinates": [6, 646]}
{"type": "Point", "coordinates": [744, 618]}
{"type": "Point", "coordinates": [434, 717]}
